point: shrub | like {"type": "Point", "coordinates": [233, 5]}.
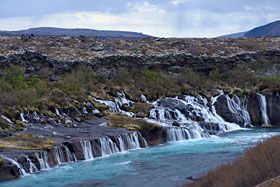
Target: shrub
{"type": "Point", "coordinates": [255, 166]}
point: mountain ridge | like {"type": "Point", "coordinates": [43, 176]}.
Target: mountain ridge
{"type": "Point", "coordinates": [55, 31]}
{"type": "Point", "coordinates": [270, 29]}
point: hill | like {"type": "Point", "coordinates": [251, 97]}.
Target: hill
{"type": "Point", "coordinates": [271, 29]}
{"type": "Point", "coordinates": [52, 31]}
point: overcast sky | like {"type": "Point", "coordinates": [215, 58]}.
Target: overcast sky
{"type": "Point", "coordinates": [164, 18]}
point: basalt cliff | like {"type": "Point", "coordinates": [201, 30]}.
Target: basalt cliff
{"type": "Point", "coordinates": [65, 99]}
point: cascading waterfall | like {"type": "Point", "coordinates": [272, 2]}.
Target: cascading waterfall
{"type": "Point", "coordinates": [121, 143]}
{"type": "Point", "coordinates": [69, 155]}
{"type": "Point", "coordinates": [42, 157]}
{"type": "Point", "coordinates": [57, 112]}
{"type": "Point", "coordinates": [114, 106]}
{"type": "Point", "coordinates": [36, 116]}
{"type": "Point", "coordinates": [183, 111]}
{"type": "Point", "coordinates": [108, 147]}
{"type": "Point", "coordinates": [177, 134]}
{"type": "Point", "coordinates": [131, 141]}
{"type": "Point", "coordinates": [21, 170]}
{"type": "Point", "coordinates": [7, 119]}
{"type": "Point", "coordinates": [32, 166]}
{"type": "Point", "coordinates": [22, 118]}
{"type": "Point", "coordinates": [58, 154]}
{"type": "Point", "coordinates": [263, 105]}
{"type": "Point", "coordinates": [87, 149]}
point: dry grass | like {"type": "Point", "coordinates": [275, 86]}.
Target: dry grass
{"type": "Point", "coordinates": [124, 121]}
{"type": "Point", "coordinates": [258, 164]}
{"type": "Point", "coordinates": [26, 141]}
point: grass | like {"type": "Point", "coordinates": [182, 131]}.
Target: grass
{"type": "Point", "coordinates": [124, 121]}
{"type": "Point", "coordinates": [258, 164]}
{"type": "Point", "coordinates": [18, 91]}
{"type": "Point", "coordinates": [26, 141]}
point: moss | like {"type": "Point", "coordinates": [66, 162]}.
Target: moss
{"type": "Point", "coordinates": [49, 113]}
{"type": "Point", "coordinates": [141, 108]}
{"type": "Point", "coordinates": [21, 123]}
{"type": "Point", "coordinates": [26, 141]}
{"type": "Point", "coordinates": [1, 161]}
{"type": "Point", "coordinates": [129, 123]}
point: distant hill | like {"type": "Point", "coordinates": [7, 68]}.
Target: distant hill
{"type": "Point", "coordinates": [271, 29]}
{"type": "Point", "coordinates": [52, 31]}
{"type": "Point", "coordinates": [235, 35]}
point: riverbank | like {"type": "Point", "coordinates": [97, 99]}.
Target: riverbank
{"type": "Point", "coordinates": [258, 164]}
{"type": "Point", "coordinates": [113, 99]}
{"type": "Point", "coordinates": [167, 164]}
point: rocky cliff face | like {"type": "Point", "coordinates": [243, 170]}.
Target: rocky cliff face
{"type": "Point", "coordinates": [33, 62]}
{"type": "Point", "coordinates": [255, 109]}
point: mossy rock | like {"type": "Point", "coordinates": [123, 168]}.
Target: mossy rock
{"type": "Point", "coordinates": [11, 113]}
{"type": "Point", "coordinates": [130, 123]}
{"type": "Point", "coordinates": [1, 130]}
{"type": "Point", "coordinates": [141, 108]}
{"type": "Point", "coordinates": [1, 161]}
{"type": "Point", "coordinates": [26, 141]}
{"type": "Point", "coordinates": [21, 123]}
{"type": "Point", "coordinates": [49, 113]}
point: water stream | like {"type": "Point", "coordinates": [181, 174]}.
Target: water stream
{"type": "Point", "coordinates": [163, 165]}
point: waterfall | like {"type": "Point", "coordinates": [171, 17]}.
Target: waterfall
{"type": "Point", "coordinates": [58, 155]}
{"type": "Point", "coordinates": [32, 166]}
{"type": "Point", "coordinates": [121, 143]}
{"type": "Point", "coordinates": [21, 170]}
{"type": "Point", "coordinates": [7, 119]}
{"type": "Point", "coordinates": [108, 147]}
{"type": "Point", "coordinates": [114, 106]}
{"type": "Point", "coordinates": [177, 134]}
{"type": "Point", "coordinates": [36, 116]}
{"type": "Point", "coordinates": [22, 118]}
{"type": "Point", "coordinates": [263, 105]}
{"type": "Point", "coordinates": [69, 155]}
{"type": "Point", "coordinates": [57, 112]}
{"type": "Point", "coordinates": [42, 157]}
{"type": "Point", "coordinates": [87, 149]}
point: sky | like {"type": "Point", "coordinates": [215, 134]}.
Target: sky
{"type": "Point", "coordinates": [162, 18]}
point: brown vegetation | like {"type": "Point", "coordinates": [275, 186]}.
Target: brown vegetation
{"type": "Point", "coordinates": [258, 164]}
{"type": "Point", "coordinates": [26, 141]}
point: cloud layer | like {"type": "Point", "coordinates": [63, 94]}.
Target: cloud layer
{"type": "Point", "coordinates": [174, 18]}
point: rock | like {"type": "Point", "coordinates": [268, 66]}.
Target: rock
{"type": "Point", "coordinates": [266, 126]}
{"type": "Point", "coordinates": [140, 115]}
{"type": "Point", "coordinates": [125, 107]}
{"type": "Point", "coordinates": [176, 124]}
{"type": "Point", "coordinates": [191, 178]}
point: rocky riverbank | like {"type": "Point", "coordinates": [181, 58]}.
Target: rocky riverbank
{"type": "Point", "coordinates": [56, 108]}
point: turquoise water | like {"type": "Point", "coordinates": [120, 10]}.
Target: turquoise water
{"type": "Point", "coordinates": [163, 165]}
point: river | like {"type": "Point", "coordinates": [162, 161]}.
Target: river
{"type": "Point", "coordinates": [162, 165]}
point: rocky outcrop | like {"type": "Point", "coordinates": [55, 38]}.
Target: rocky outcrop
{"type": "Point", "coordinates": [33, 62]}
{"type": "Point", "coordinates": [250, 109]}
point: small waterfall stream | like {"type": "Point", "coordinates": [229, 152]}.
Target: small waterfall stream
{"type": "Point", "coordinates": [21, 169]}
{"type": "Point", "coordinates": [87, 149]}
{"type": "Point", "coordinates": [106, 146]}
{"type": "Point", "coordinates": [32, 166]}
{"type": "Point", "coordinates": [263, 105]}
{"type": "Point", "coordinates": [43, 160]}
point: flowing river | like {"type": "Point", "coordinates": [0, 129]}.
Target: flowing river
{"type": "Point", "coordinates": [163, 165]}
